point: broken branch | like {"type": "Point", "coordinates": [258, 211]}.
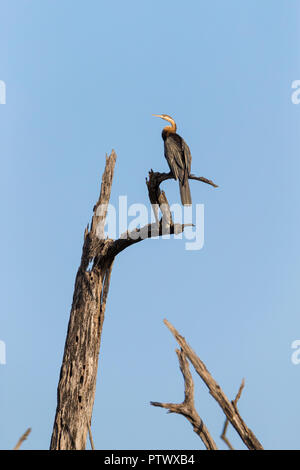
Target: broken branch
{"type": "Point", "coordinates": [187, 407]}
{"type": "Point", "coordinates": [230, 409]}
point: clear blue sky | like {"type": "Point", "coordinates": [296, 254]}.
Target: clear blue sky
{"type": "Point", "coordinates": [85, 77]}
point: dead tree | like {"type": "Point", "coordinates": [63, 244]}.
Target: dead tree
{"type": "Point", "coordinates": [187, 408]}
{"type": "Point", "coordinates": [77, 382]}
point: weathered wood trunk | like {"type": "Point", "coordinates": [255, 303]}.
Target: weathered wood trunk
{"type": "Point", "coordinates": [77, 382]}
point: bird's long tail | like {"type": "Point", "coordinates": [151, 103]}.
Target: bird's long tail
{"type": "Point", "coordinates": [185, 192]}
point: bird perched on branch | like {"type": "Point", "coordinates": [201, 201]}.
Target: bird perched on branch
{"type": "Point", "coordinates": [178, 156]}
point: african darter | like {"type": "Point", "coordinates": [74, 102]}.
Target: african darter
{"type": "Point", "coordinates": [178, 156]}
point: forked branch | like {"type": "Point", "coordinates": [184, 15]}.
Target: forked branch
{"type": "Point", "coordinates": [229, 408]}
{"type": "Point", "coordinates": [187, 407]}
{"type": "Point", "coordinates": [224, 432]}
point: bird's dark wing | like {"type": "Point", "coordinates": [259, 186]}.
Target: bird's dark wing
{"type": "Point", "coordinates": [187, 156]}
{"type": "Point", "coordinates": [175, 155]}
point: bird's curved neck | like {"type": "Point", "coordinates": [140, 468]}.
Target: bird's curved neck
{"type": "Point", "coordinates": [172, 128]}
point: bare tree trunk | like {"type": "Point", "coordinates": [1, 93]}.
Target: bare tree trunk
{"type": "Point", "coordinates": [77, 382]}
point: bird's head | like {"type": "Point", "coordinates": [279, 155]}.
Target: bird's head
{"type": "Point", "coordinates": [168, 118]}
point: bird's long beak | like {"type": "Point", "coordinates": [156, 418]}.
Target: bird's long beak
{"type": "Point", "coordinates": [157, 115]}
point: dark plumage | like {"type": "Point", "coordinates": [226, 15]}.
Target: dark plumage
{"type": "Point", "coordinates": [179, 158]}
